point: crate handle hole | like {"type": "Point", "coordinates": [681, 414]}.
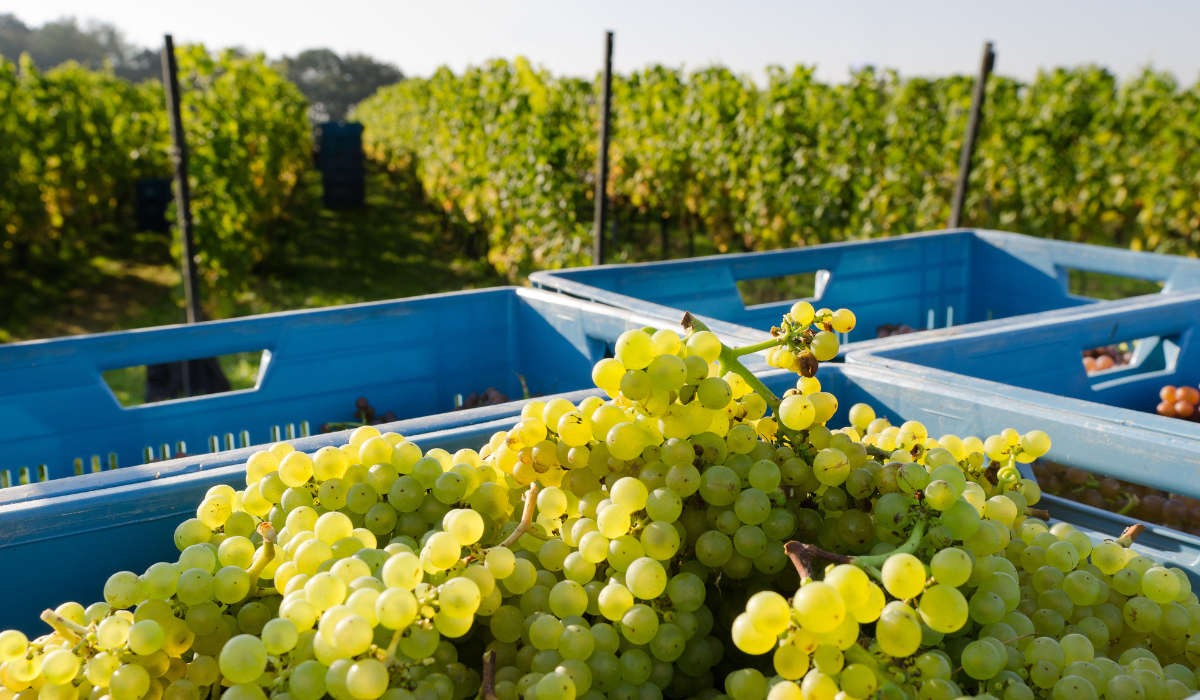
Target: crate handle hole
{"type": "Point", "coordinates": [163, 382]}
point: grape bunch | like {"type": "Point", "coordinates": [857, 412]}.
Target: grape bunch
{"type": "Point", "coordinates": [657, 543]}
{"type": "Point", "coordinates": [1178, 402]}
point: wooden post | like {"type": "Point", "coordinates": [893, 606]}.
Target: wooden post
{"type": "Point", "coordinates": [968, 149]}
{"type": "Point", "coordinates": [183, 200]}
{"type": "Point", "coordinates": [602, 156]}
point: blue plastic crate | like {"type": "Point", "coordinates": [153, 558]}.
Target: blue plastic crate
{"type": "Point", "coordinates": [411, 356]}
{"type": "Point", "coordinates": [1038, 360]}
{"type": "Point", "coordinates": [924, 280]}
{"type": "Point", "coordinates": [129, 525]}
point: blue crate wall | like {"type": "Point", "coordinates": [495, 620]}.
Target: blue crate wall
{"type": "Point", "coordinates": [411, 356]}
{"type": "Point", "coordinates": [954, 277]}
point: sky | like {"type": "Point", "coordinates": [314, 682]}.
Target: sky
{"type": "Point", "coordinates": [930, 38]}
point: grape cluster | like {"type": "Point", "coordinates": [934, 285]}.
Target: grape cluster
{"type": "Point", "coordinates": [1178, 402]}
{"type": "Point", "coordinates": [658, 543]}
{"type": "Point", "coordinates": [808, 337]}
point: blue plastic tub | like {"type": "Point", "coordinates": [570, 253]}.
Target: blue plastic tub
{"type": "Point", "coordinates": [127, 525]}
{"type": "Point", "coordinates": [924, 280]}
{"type": "Point", "coordinates": [412, 356]}
{"type": "Point", "coordinates": [1038, 360]}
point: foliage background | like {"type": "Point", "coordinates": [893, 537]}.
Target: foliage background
{"type": "Point", "coordinates": [73, 143]}
{"type": "Point", "coordinates": [497, 164]}
{"type": "Point", "coordinates": [709, 162]}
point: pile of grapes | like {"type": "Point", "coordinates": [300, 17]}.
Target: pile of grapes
{"type": "Point", "coordinates": [364, 414]}
{"type": "Point", "coordinates": [490, 397]}
{"type": "Point", "coordinates": [1123, 497]}
{"type": "Point", "coordinates": [1107, 357]}
{"type": "Point", "coordinates": [693, 536]}
{"type": "Point", "coordinates": [887, 330]}
{"type": "Point", "coordinates": [1178, 402]}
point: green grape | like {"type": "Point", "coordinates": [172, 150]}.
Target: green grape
{"type": "Point", "coordinates": [160, 580]}
{"type": "Point", "coordinates": [940, 495]}
{"type": "Point", "coordinates": [639, 623]}
{"type": "Point", "coordinates": [367, 679]}
{"type": "Point", "coordinates": [1160, 585]}
{"type": "Point", "coordinates": [61, 665]}
{"type": "Point", "coordinates": [629, 493]}
{"type": "Point", "coordinates": [191, 532]}
{"type": "Point", "coordinates": [230, 585]}
{"type": "Point", "coordinates": [545, 632]}
{"type": "Point", "coordinates": [636, 384]}
{"type": "Point", "coordinates": [1048, 622]}
{"type": "Point", "coordinates": [1062, 556]}
{"type": "Point", "coordinates": [1073, 688]}
{"type": "Point", "coordinates": [1123, 687]}
{"type": "Point", "coordinates": [568, 598]}
{"type": "Point", "coordinates": [981, 660]}
{"type": "Point", "coordinates": [129, 682]}
{"type": "Point", "coordinates": [831, 467]}
{"type": "Point", "coordinates": [575, 642]}
{"type": "Point", "coordinates": [1046, 578]}
{"type": "Point", "coordinates": [752, 506]}
{"type": "Point", "coordinates": [824, 346]}
{"type": "Point", "coordinates": [123, 590]}
{"type": "Point", "coordinates": [145, 637]}
{"type": "Point", "coordinates": [903, 576]}
{"type": "Point", "coordinates": [1142, 614]}
{"type": "Point", "coordinates": [962, 519]}
{"type": "Point", "coordinates": [664, 505]}
{"type": "Point", "coordinates": [1109, 557]}
{"type": "Point", "coordinates": [635, 349]}
{"type": "Point", "coordinates": [951, 567]}
{"type": "Point", "coordinates": [746, 684]}
{"type": "Point", "coordinates": [858, 681]}
{"type": "Point", "coordinates": [891, 510]}
{"type": "Point", "coordinates": [1044, 674]}
{"type": "Point", "coordinates": [195, 586]}
{"type": "Point", "coordinates": [943, 608]}
{"type": "Point", "coordinates": [898, 630]}
{"type": "Point", "coordinates": [719, 486]}
{"type": "Point", "coordinates": [714, 393]}
{"type": "Point", "coordinates": [646, 578]}
{"type": "Point", "coordinates": [1081, 587]}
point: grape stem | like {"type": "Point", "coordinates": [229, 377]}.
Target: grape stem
{"type": "Point", "coordinates": [802, 555]}
{"type": "Point", "coordinates": [65, 628]}
{"type": "Point", "coordinates": [1037, 513]}
{"type": "Point", "coordinates": [1131, 533]}
{"type": "Point", "coordinates": [729, 362]}
{"type": "Point", "coordinates": [526, 516]}
{"type": "Point", "coordinates": [751, 349]}
{"type": "Point", "coordinates": [487, 688]}
{"type": "Point", "coordinates": [264, 556]}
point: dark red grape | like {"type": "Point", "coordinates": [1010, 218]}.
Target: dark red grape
{"type": "Point", "coordinates": [1174, 511]}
